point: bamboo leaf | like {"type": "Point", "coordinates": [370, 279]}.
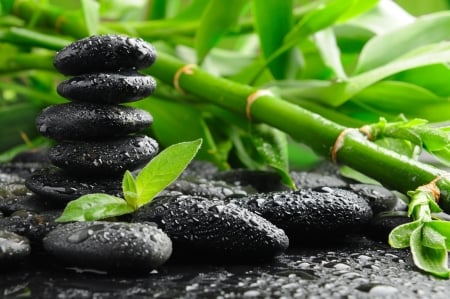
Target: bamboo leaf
{"type": "Point", "coordinates": [400, 236]}
{"type": "Point", "coordinates": [325, 41]}
{"type": "Point", "coordinates": [91, 15]}
{"type": "Point", "coordinates": [424, 31]}
{"type": "Point", "coordinates": [217, 19]}
{"type": "Point", "coordinates": [266, 13]}
{"type": "Point", "coordinates": [192, 12]}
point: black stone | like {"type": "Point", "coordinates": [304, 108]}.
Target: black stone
{"type": "Point", "coordinates": [260, 180]}
{"type": "Point", "coordinates": [110, 246]}
{"type": "Point", "coordinates": [213, 230]}
{"type": "Point", "coordinates": [85, 121]}
{"type": "Point", "coordinates": [304, 179]}
{"type": "Point", "coordinates": [13, 249]}
{"type": "Point", "coordinates": [109, 157]}
{"type": "Point", "coordinates": [207, 188]}
{"type": "Point", "coordinates": [57, 187]}
{"type": "Point", "coordinates": [107, 88]}
{"type": "Point", "coordinates": [104, 53]}
{"type": "Point", "coordinates": [34, 226]}
{"type": "Point", "coordinates": [383, 223]}
{"type": "Point", "coordinates": [311, 214]}
{"type": "Point", "coordinates": [379, 198]}
{"type": "Point", "coordinates": [30, 203]}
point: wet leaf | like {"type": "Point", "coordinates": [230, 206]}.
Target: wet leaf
{"type": "Point", "coordinates": [433, 260]}
{"type": "Point", "coordinates": [129, 189]}
{"type": "Point", "coordinates": [164, 169]}
{"type": "Point", "coordinates": [400, 236]}
{"type": "Point", "coordinates": [95, 206]}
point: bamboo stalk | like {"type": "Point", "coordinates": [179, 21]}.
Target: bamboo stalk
{"type": "Point", "coordinates": [389, 168]}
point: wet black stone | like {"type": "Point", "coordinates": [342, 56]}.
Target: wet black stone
{"type": "Point", "coordinates": [34, 226]}
{"type": "Point", "coordinates": [213, 230]}
{"type": "Point", "coordinates": [104, 53]}
{"type": "Point", "coordinates": [29, 202]}
{"type": "Point", "coordinates": [383, 223]}
{"type": "Point", "coordinates": [109, 157]}
{"type": "Point", "coordinates": [262, 181]}
{"type": "Point", "coordinates": [57, 187]}
{"type": "Point", "coordinates": [379, 198]}
{"type": "Point", "coordinates": [110, 246]}
{"type": "Point", "coordinates": [13, 249]}
{"type": "Point", "coordinates": [86, 121]}
{"type": "Point", "coordinates": [305, 179]}
{"type": "Point", "coordinates": [107, 88]}
{"type": "Point", "coordinates": [207, 188]}
{"type": "Point", "coordinates": [27, 157]}
{"type": "Point", "coordinates": [199, 170]}
{"type": "Point", "coordinates": [307, 215]}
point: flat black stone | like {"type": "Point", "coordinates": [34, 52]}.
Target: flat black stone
{"type": "Point", "coordinates": [212, 230]}
{"type": "Point", "coordinates": [104, 53]}
{"type": "Point", "coordinates": [309, 215]}
{"type": "Point", "coordinates": [108, 157]}
{"type": "Point", "coordinates": [86, 121]}
{"type": "Point", "coordinates": [107, 88]}
{"type": "Point", "coordinates": [111, 246]}
{"type": "Point", "coordinates": [57, 187]}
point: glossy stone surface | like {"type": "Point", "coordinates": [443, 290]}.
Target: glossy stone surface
{"type": "Point", "coordinates": [57, 187]}
{"type": "Point", "coordinates": [212, 230]}
{"type": "Point", "coordinates": [310, 214]}
{"type": "Point", "coordinates": [107, 88]}
{"type": "Point", "coordinates": [83, 121]}
{"type": "Point", "coordinates": [118, 246]}
{"type": "Point", "coordinates": [104, 53]}
{"type": "Point", "coordinates": [109, 157]}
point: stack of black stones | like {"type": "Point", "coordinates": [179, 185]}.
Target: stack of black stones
{"type": "Point", "coordinates": [97, 136]}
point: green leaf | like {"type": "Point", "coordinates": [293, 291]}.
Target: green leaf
{"type": "Point", "coordinates": [266, 13]}
{"type": "Point", "coordinates": [129, 189]}
{"type": "Point", "coordinates": [263, 146]}
{"type": "Point", "coordinates": [192, 12]}
{"type": "Point", "coordinates": [325, 41]}
{"type": "Point", "coordinates": [443, 228]}
{"type": "Point", "coordinates": [217, 19]}
{"type": "Point", "coordinates": [95, 206]}
{"type": "Point", "coordinates": [433, 260]}
{"type": "Point", "coordinates": [424, 31]}
{"type": "Point", "coordinates": [6, 6]}
{"type": "Point", "coordinates": [91, 14]}
{"type": "Point", "coordinates": [400, 236]}
{"type": "Point", "coordinates": [164, 169]}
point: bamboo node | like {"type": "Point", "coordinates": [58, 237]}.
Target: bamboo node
{"type": "Point", "coordinates": [366, 131]}
{"type": "Point", "coordinates": [339, 143]}
{"type": "Point", "coordinates": [433, 188]}
{"type": "Point", "coordinates": [187, 69]}
{"type": "Point", "coordinates": [252, 98]}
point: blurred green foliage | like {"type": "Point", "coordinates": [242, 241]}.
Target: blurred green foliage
{"type": "Point", "coordinates": [350, 61]}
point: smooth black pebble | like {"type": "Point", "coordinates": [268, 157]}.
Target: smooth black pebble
{"type": "Point", "coordinates": [104, 53]}
{"type": "Point", "coordinates": [13, 249]}
{"type": "Point", "coordinates": [109, 157]}
{"type": "Point", "coordinates": [56, 187]}
{"type": "Point", "coordinates": [311, 214]}
{"type": "Point", "coordinates": [107, 88]}
{"type": "Point", "coordinates": [379, 198]}
{"type": "Point", "coordinates": [111, 246]}
{"type": "Point", "coordinates": [85, 121]}
{"type": "Point", "coordinates": [212, 230]}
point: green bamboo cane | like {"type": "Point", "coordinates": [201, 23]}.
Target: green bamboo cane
{"type": "Point", "coordinates": [322, 135]}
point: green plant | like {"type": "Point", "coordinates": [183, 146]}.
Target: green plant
{"type": "Point", "coordinates": [152, 179]}
{"type": "Point", "coordinates": [332, 66]}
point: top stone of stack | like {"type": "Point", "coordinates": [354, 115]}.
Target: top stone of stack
{"type": "Point", "coordinates": [104, 53]}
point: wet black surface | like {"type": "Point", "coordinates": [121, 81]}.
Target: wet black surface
{"type": "Point", "coordinates": [355, 268]}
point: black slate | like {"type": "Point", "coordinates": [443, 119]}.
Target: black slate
{"type": "Point", "coordinates": [104, 53]}
{"type": "Point", "coordinates": [86, 121]}
{"type": "Point", "coordinates": [107, 88]}
{"type": "Point", "coordinates": [13, 249]}
{"type": "Point", "coordinates": [107, 157]}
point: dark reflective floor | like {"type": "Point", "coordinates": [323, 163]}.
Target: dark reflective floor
{"type": "Point", "coordinates": [356, 268]}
